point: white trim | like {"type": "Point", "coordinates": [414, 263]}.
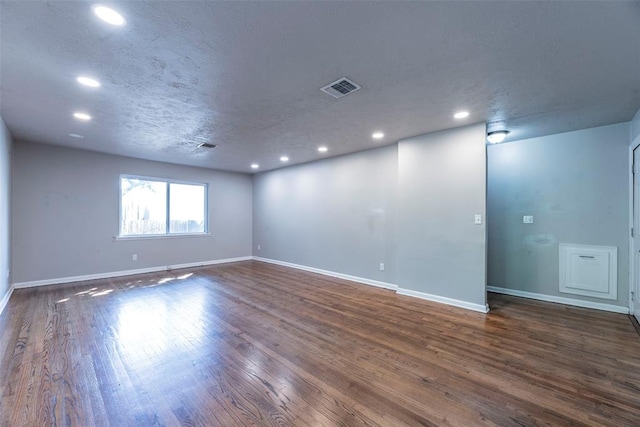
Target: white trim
{"type": "Point", "coordinates": [632, 226]}
{"type": "Point", "coordinates": [214, 262]}
{"type": "Point", "coordinates": [636, 228]}
{"type": "Point", "coordinates": [167, 181]}
{"type": "Point", "coordinates": [444, 300]}
{"type": "Point", "coordinates": [111, 274]}
{"type": "Point", "coordinates": [330, 273]}
{"type": "Point", "coordinates": [159, 236]}
{"type": "Point", "coordinates": [560, 300]}
{"type": "Point", "coordinates": [400, 291]}
{"type": "Point", "coordinates": [5, 299]}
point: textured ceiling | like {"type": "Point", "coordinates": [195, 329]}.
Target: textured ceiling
{"type": "Point", "coordinates": [247, 75]}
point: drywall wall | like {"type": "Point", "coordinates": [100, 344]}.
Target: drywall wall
{"type": "Point", "coordinates": [635, 128]}
{"type": "Point", "coordinates": [336, 214]}
{"type": "Point", "coordinates": [65, 215]}
{"type": "Point", "coordinates": [5, 210]}
{"type": "Point", "coordinates": [441, 187]}
{"type": "Point", "coordinates": [576, 187]}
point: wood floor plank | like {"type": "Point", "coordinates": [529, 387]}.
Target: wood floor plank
{"type": "Point", "coordinates": [251, 343]}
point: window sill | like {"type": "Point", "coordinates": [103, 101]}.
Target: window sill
{"type": "Point", "coordinates": [162, 236]}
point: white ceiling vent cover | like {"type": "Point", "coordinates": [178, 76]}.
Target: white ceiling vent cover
{"type": "Point", "coordinates": [341, 87]}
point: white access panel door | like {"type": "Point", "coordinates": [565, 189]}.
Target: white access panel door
{"type": "Point", "coordinates": [589, 270]}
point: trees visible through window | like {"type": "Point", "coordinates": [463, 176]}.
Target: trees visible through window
{"type": "Point", "coordinates": [150, 206]}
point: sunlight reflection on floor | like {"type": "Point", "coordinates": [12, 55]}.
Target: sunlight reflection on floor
{"type": "Point", "coordinates": [148, 327]}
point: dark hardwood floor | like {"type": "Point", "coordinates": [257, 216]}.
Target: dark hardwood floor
{"type": "Point", "coordinates": [256, 344]}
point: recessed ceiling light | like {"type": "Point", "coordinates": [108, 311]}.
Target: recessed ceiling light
{"type": "Point", "coordinates": [377, 135]}
{"type": "Point", "coordinates": [323, 149]}
{"type": "Point", "coordinates": [109, 15]}
{"type": "Point", "coordinates": [497, 137]}
{"type": "Point", "coordinates": [284, 159]}
{"type": "Point", "coordinates": [461, 115]}
{"type": "Point", "coordinates": [88, 81]}
{"type": "Point", "coordinates": [75, 135]}
{"type": "Point", "coordinates": [82, 116]}
{"type": "Point", "coordinates": [255, 166]}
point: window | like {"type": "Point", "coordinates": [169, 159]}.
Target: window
{"type": "Point", "coordinates": [158, 207]}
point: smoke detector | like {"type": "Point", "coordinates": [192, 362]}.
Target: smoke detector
{"type": "Point", "coordinates": [341, 87]}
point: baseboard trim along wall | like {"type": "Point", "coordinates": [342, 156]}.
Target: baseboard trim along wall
{"type": "Point", "coordinates": [400, 291]}
{"type": "Point", "coordinates": [108, 275]}
{"type": "Point", "coordinates": [444, 300]}
{"type": "Point", "coordinates": [559, 300]}
{"type": "Point", "coordinates": [5, 299]}
{"type": "Point", "coordinates": [330, 273]}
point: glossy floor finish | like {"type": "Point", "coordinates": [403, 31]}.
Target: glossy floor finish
{"type": "Point", "coordinates": [256, 344]}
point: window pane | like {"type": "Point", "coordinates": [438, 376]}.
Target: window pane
{"type": "Point", "coordinates": [186, 210]}
{"type": "Point", "coordinates": [144, 207]}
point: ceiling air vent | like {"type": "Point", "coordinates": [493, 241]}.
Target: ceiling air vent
{"type": "Point", "coordinates": [341, 87]}
{"type": "Point", "coordinates": [206, 145]}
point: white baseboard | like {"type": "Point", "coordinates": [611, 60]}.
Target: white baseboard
{"type": "Point", "coordinates": [560, 300]}
{"type": "Point", "coordinates": [407, 292]}
{"type": "Point", "coordinates": [444, 300]}
{"type": "Point", "coordinates": [213, 262]}
{"type": "Point", "coordinates": [111, 274]}
{"type": "Point", "coordinates": [330, 273]}
{"type": "Point", "coordinates": [5, 299]}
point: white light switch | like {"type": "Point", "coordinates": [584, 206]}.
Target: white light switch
{"type": "Point", "coordinates": [527, 219]}
{"type": "Point", "coordinates": [478, 220]}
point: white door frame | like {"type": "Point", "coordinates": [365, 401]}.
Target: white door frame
{"type": "Point", "coordinates": [634, 292]}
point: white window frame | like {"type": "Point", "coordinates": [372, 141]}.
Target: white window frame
{"type": "Point", "coordinates": [166, 234]}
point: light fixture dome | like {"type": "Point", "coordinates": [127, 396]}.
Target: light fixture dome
{"type": "Point", "coordinates": [108, 15]}
{"type": "Point", "coordinates": [88, 81]}
{"type": "Point", "coordinates": [496, 137]}
{"type": "Point", "coordinates": [82, 116]}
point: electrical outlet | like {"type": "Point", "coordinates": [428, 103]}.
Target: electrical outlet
{"type": "Point", "coordinates": [478, 219]}
{"type": "Point", "coordinates": [527, 219]}
{"type": "Point", "coordinates": [134, 257]}
{"type": "Point", "coordinates": [382, 266]}
{"type": "Point", "coordinates": [258, 247]}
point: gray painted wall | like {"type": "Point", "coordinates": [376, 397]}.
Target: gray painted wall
{"type": "Point", "coordinates": [407, 205]}
{"type": "Point", "coordinates": [336, 214]}
{"type": "Point", "coordinates": [442, 185]}
{"type": "Point", "coordinates": [5, 208]}
{"type": "Point", "coordinates": [65, 214]}
{"type": "Point", "coordinates": [635, 127]}
{"type": "Point", "coordinates": [576, 186]}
